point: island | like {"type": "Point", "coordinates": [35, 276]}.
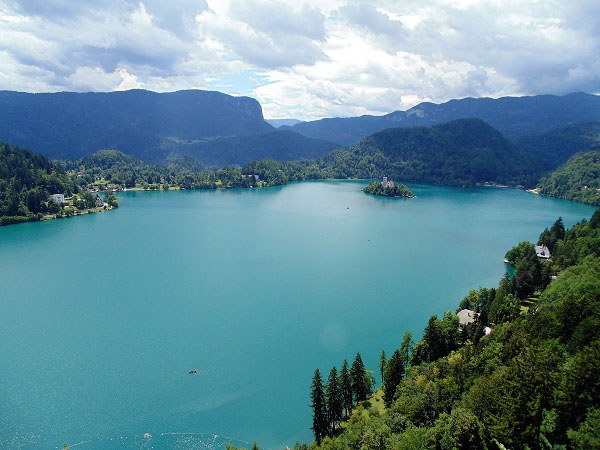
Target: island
{"type": "Point", "coordinates": [388, 188]}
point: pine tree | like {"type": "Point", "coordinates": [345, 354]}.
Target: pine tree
{"type": "Point", "coordinates": [320, 423]}
{"type": "Point", "coordinates": [406, 348]}
{"type": "Point", "coordinates": [334, 399]}
{"type": "Point", "coordinates": [346, 388]}
{"type": "Point", "coordinates": [394, 371]}
{"type": "Point", "coordinates": [357, 375]}
{"type": "Point", "coordinates": [382, 364]}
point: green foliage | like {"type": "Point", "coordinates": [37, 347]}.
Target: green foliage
{"type": "Point", "coordinates": [394, 371]}
{"type": "Point", "coordinates": [578, 179]}
{"type": "Point", "coordinates": [397, 190]}
{"type": "Point", "coordinates": [358, 376]}
{"type": "Point", "coordinates": [26, 181]}
{"type": "Point", "coordinates": [345, 383]}
{"type": "Point", "coordinates": [111, 199]}
{"type": "Point", "coordinates": [460, 153]}
{"type": "Point", "coordinates": [333, 397]}
{"type": "Point", "coordinates": [588, 434]}
{"type": "Point", "coordinates": [532, 383]}
{"type": "Point", "coordinates": [318, 402]}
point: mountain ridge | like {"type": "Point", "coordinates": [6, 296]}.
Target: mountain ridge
{"type": "Point", "coordinates": [513, 116]}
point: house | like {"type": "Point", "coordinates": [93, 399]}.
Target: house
{"type": "Point", "coordinates": [465, 317]}
{"type": "Point", "coordinates": [112, 186]}
{"type": "Point", "coordinates": [58, 198]}
{"type": "Point", "coordinates": [98, 200]}
{"type": "Point", "coordinates": [542, 251]}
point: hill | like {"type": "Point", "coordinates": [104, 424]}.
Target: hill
{"type": "Point", "coordinates": [513, 116]}
{"type": "Point", "coordinates": [281, 145]}
{"type": "Point", "coordinates": [138, 122]}
{"type": "Point", "coordinates": [556, 146]}
{"type": "Point", "coordinates": [26, 181]}
{"type": "Point", "coordinates": [461, 153]}
{"type": "Point", "coordinates": [578, 179]}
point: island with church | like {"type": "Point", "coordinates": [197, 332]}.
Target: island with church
{"type": "Point", "coordinates": [388, 188]}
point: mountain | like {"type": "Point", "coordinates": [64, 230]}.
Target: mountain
{"type": "Point", "coordinates": [513, 116]}
{"type": "Point", "coordinates": [138, 122]}
{"type": "Point", "coordinates": [578, 179]}
{"type": "Point", "coordinates": [281, 145]}
{"type": "Point", "coordinates": [281, 122]}
{"type": "Point", "coordinates": [463, 152]}
{"type": "Point", "coordinates": [557, 146]}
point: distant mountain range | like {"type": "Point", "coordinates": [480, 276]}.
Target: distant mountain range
{"type": "Point", "coordinates": [220, 129]}
{"type": "Point", "coordinates": [515, 117]}
{"type": "Point", "coordinates": [283, 122]}
{"type": "Point", "coordinates": [149, 125]}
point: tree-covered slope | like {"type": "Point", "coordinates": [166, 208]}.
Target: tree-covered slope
{"type": "Point", "coordinates": [532, 382]}
{"type": "Point", "coordinates": [281, 145]}
{"type": "Point", "coordinates": [26, 181]}
{"type": "Point", "coordinates": [556, 146]}
{"type": "Point", "coordinates": [578, 179]}
{"type": "Point", "coordinates": [463, 153]}
{"type": "Point", "coordinates": [72, 125]}
{"type": "Point", "coordinates": [513, 116]}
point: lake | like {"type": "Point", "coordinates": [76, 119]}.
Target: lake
{"type": "Point", "coordinates": [104, 315]}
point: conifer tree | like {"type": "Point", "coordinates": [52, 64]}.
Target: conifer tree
{"type": "Point", "coordinates": [346, 388]}
{"type": "Point", "coordinates": [357, 375]}
{"type": "Point", "coordinates": [334, 399]}
{"type": "Point", "coordinates": [394, 371]}
{"type": "Point", "coordinates": [382, 361]}
{"type": "Point", "coordinates": [406, 348]}
{"type": "Point", "coordinates": [320, 424]}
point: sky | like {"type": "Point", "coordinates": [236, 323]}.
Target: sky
{"type": "Point", "coordinates": [305, 59]}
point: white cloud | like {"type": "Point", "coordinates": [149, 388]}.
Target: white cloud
{"type": "Point", "coordinates": [305, 59]}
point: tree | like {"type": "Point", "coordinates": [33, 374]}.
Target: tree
{"type": "Point", "coordinates": [406, 348]}
{"type": "Point", "coordinates": [320, 423]}
{"type": "Point", "coordinates": [358, 377]}
{"type": "Point", "coordinates": [433, 339]}
{"type": "Point", "coordinates": [394, 371]}
{"type": "Point", "coordinates": [382, 364]}
{"type": "Point", "coordinates": [346, 388]}
{"type": "Point", "coordinates": [333, 399]}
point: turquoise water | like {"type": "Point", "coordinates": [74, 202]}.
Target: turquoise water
{"type": "Point", "coordinates": [104, 315]}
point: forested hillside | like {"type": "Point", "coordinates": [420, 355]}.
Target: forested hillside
{"type": "Point", "coordinates": [578, 179]}
{"type": "Point", "coordinates": [513, 116]}
{"type": "Point", "coordinates": [138, 122]}
{"type": "Point", "coordinates": [281, 145]}
{"type": "Point", "coordinates": [553, 148]}
{"type": "Point", "coordinates": [26, 181]}
{"type": "Point", "coordinates": [460, 153]}
{"type": "Point", "coordinates": [531, 382]}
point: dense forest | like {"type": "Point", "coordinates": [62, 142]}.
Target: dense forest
{"type": "Point", "coordinates": [555, 147]}
{"type": "Point", "coordinates": [26, 181]}
{"type": "Point", "coordinates": [532, 382]}
{"type": "Point", "coordinates": [390, 190]}
{"type": "Point", "coordinates": [460, 153]}
{"type": "Point", "coordinates": [578, 179]}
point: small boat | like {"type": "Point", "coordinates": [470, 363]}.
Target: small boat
{"type": "Point", "coordinates": [506, 261]}
{"type": "Point", "coordinates": [193, 371]}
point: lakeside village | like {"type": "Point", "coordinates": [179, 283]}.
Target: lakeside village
{"type": "Point", "coordinates": [85, 202]}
